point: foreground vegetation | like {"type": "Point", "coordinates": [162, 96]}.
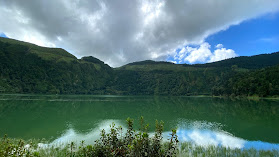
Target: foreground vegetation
{"type": "Point", "coordinates": [118, 142]}
{"type": "Point", "coordinates": [115, 143]}
{"type": "Point", "coordinates": [189, 149]}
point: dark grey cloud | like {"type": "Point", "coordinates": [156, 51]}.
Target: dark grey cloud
{"type": "Point", "coordinates": [122, 31]}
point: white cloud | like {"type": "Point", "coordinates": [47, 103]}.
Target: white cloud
{"type": "Point", "coordinates": [221, 54]}
{"type": "Point", "coordinates": [181, 54]}
{"type": "Point", "coordinates": [200, 54]}
{"type": "Point", "coordinates": [274, 39]}
{"type": "Point", "coordinates": [203, 54]}
{"type": "Point", "coordinates": [218, 46]}
{"type": "Point", "coordinates": [123, 31]}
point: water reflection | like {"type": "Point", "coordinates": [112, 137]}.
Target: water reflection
{"type": "Point", "coordinates": [208, 137]}
{"type": "Point", "coordinates": [204, 136]}
{"type": "Point", "coordinates": [40, 116]}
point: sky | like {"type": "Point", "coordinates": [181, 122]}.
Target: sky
{"type": "Point", "coordinates": [123, 31]}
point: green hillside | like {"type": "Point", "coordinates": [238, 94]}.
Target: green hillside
{"type": "Point", "coordinates": [243, 62]}
{"type": "Point", "coordinates": [247, 62]}
{"type": "Point", "coordinates": [45, 53]}
{"type": "Point", "coordinates": [28, 68]}
{"type": "Point", "coordinates": [225, 77]}
{"type": "Point", "coordinates": [263, 82]}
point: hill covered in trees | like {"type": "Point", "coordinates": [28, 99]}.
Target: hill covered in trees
{"type": "Point", "coordinates": [28, 68]}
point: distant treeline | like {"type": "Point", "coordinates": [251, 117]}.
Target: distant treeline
{"type": "Point", "coordinates": [28, 68]}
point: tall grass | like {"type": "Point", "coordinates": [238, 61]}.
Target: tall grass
{"type": "Point", "coordinates": [189, 149]}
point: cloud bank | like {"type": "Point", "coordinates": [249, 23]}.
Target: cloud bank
{"type": "Point", "coordinates": [203, 54]}
{"type": "Point", "coordinates": [123, 31]}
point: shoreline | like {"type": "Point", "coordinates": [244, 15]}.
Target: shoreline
{"type": "Point", "coordinates": [114, 95]}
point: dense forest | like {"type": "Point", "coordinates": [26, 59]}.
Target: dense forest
{"type": "Point", "coordinates": [28, 68]}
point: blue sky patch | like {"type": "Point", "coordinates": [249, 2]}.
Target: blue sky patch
{"type": "Point", "coordinates": [251, 37]}
{"type": "Point", "coordinates": [3, 35]}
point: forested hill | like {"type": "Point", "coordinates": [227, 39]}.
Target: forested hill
{"type": "Point", "coordinates": [28, 68]}
{"type": "Point", "coordinates": [248, 62]}
{"type": "Point", "coordinates": [235, 78]}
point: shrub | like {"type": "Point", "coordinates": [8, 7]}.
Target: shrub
{"type": "Point", "coordinates": [132, 143]}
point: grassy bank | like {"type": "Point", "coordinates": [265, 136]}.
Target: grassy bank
{"type": "Point", "coordinates": [32, 148]}
{"type": "Point", "coordinates": [190, 149]}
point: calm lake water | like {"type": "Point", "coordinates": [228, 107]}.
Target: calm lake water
{"type": "Point", "coordinates": [203, 120]}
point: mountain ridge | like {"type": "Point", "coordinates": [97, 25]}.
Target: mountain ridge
{"type": "Point", "coordinates": [28, 68]}
{"type": "Point", "coordinates": [62, 52]}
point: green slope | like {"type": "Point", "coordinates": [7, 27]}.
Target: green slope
{"type": "Point", "coordinates": [247, 62]}
{"type": "Point", "coordinates": [27, 68]}
{"type": "Point", "coordinates": [263, 82]}
{"type": "Point", "coordinates": [45, 53]}
{"type": "Point", "coordinates": [243, 62]}
{"type": "Point", "coordinates": [163, 78]}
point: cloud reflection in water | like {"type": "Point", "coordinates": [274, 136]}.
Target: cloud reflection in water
{"type": "Point", "coordinates": [199, 133]}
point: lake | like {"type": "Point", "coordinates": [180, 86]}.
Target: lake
{"type": "Point", "coordinates": [203, 120]}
